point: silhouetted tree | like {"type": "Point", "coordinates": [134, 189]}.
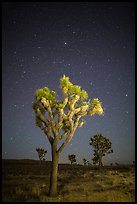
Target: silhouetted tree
{"type": "Point", "coordinates": [60, 119]}
{"type": "Point", "coordinates": [85, 162]}
{"type": "Point", "coordinates": [72, 158]}
{"type": "Point", "coordinates": [102, 146]}
{"type": "Point", "coordinates": [41, 153]}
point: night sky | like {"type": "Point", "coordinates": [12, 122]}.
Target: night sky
{"type": "Point", "coordinates": [93, 44]}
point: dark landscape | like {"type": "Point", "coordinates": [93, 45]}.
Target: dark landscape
{"type": "Point", "coordinates": [28, 180]}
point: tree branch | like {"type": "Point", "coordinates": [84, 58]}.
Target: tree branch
{"type": "Point", "coordinates": [65, 143]}
{"type": "Point", "coordinates": [47, 132]}
{"type": "Point", "coordinates": [41, 116]}
{"type": "Point", "coordinates": [70, 135]}
{"type": "Point", "coordinates": [63, 135]}
{"type": "Point", "coordinates": [48, 107]}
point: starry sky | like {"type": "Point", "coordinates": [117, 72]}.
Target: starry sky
{"type": "Point", "coordinates": [93, 44]}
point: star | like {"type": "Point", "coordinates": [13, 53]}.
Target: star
{"type": "Point", "coordinates": [65, 43]}
{"type": "Point", "coordinates": [108, 59]}
{"type": "Point", "coordinates": [126, 95]}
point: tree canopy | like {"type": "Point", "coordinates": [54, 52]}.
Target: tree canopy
{"type": "Point", "coordinates": [75, 104]}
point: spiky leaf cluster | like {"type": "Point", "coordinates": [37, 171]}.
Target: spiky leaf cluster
{"type": "Point", "coordinates": [71, 89]}
{"type": "Point", "coordinates": [45, 93]}
{"type": "Point", "coordinates": [96, 107]}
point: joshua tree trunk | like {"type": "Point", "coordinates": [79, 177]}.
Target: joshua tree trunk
{"type": "Point", "coordinates": [100, 162]}
{"type": "Point", "coordinates": [54, 171]}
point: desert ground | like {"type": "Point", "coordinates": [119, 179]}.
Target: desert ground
{"type": "Point", "coordinates": [28, 181]}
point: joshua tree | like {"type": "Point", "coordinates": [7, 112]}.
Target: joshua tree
{"type": "Point", "coordinates": [60, 119]}
{"type": "Point", "coordinates": [41, 153]}
{"type": "Point", "coordinates": [102, 146]}
{"type": "Point", "coordinates": [85, 162]}
{"type": "Point", "coordinates": [72, 158]}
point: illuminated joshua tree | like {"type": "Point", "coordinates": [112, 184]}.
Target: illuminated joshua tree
{"type": "Point", "coordinates": [60, 119]}
{"type": "Point", "coordinates": [102, 146]}
{"type": "Point", "coordinates": [41, 153]}
{"type": "Point", "coordinates": [72, 158]}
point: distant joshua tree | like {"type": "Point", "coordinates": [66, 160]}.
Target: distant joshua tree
{"type": "Point", "coordinates": [111, 164]}
{"type": "Point", "coordinates": [102, 146]}
{"type": "Point", "coordinates": [117, 164]}
{"type": "Point", "coordinates": [85, 162]}
{"type": "Point", "coordinates": [41, 153]}
{"type": "Point", "coordinates": [133, 162]}
{"type": "Point", "coordinates": [72, 158]}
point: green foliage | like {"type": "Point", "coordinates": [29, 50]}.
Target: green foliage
{"type": "Point", "coordinates": [68, 87]}
{"type": "Point", "coordinates": [83, 95]}
{"type": "Point", "coordinates": [75, 89]}
{"type": "Point", "coordinates": [95, 102]}
{"type": "Point", "coordinates": [84, 103]}
{"type": "Point", "coordinates": [46, 93]}
{"type": "Point", "coordinates": [72, 92]}
{"type": "Point", "coordinates": [59, 105]}
{"type": "Point", "coordinates": [96, 107]}
{"type": "Point", "coordinates": [65, 84]}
